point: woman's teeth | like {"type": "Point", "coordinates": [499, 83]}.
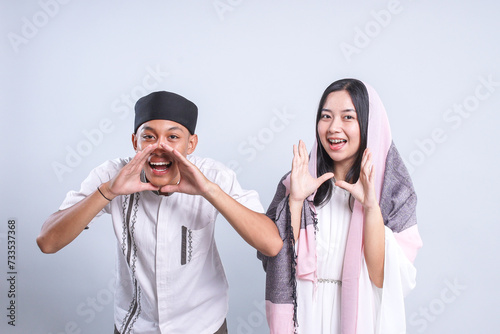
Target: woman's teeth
{"type": "Point", "coordinates": [337, 141]}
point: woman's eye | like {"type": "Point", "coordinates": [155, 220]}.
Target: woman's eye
{"type": "Point", "coordinates": [325, 116]}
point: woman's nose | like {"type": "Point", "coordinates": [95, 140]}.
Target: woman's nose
{"type": "Point", "coordinates": [335, 126]}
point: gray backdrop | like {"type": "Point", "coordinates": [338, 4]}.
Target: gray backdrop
{"type": "Point", "coordinates": [71, 71]}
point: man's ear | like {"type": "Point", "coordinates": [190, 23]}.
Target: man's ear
{"type": "Point", "coordinates": [134, 141]}
{"type": "Point", "coordinates": [193, 142]}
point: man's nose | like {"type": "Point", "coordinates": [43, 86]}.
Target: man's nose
{"type": "Point", "coordinates": [163, 140]}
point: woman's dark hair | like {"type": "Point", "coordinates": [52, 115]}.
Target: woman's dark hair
{"type": "Point", "coordinates": [359, 96]}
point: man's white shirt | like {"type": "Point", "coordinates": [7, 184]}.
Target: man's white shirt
{"type": "Point", "coordinates": [170, 277]}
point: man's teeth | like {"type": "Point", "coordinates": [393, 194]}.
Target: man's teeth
{"type": "Point", "coordinates": [160, 163]}
{"type": "Point", "coordinates": [163, 163]}
{"type": "Point", "coordinates": [337, 141]}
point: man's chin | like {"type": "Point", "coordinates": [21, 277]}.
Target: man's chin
{"type": "Point", "coordinates": [159, 181]}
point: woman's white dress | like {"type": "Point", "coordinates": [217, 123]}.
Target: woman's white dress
{"type": "Point", "coordinates": [318, 307]}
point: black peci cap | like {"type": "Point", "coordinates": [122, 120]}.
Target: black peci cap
{"type": "Point", "coordinates": [168, 106]}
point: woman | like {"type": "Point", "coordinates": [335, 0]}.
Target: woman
{"type": "Point", "coordinates": [350, 234]}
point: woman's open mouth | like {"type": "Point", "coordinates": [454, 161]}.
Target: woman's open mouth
{"type": "Point", "coordinates": [337, 144]}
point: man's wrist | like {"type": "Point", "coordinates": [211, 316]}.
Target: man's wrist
{"type": "Point", "coordinates": [106, 192]}
{"type": "Point", "coordinates": [212, 191]}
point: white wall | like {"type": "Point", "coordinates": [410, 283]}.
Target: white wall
{"type": "Point", "coordinates": [71, 67]}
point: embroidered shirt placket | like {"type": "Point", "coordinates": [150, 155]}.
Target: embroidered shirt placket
{"type": "Point", "coordinates": [162, 267]}
{"type": "Point", "coordinates": [130, 252]}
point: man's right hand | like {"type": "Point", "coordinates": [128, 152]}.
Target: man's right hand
{"type": "Point", "coordinates": [128, 179]}
{"type": "Point", "coordinates": [64, 226]}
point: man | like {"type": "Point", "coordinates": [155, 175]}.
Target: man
{"type": "Point", "coordinates": [163, 205]}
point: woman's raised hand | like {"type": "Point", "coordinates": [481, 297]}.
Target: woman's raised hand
{"type": "Point", "coordinates": [302, 183]}
{"type": "Point", "coordinates": [364, 189]}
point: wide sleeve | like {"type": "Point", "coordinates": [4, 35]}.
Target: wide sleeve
{"type": "Point", "coordinates": [398, 203]}
{"type": "Point", "coordinates": [280, 269]}
{"type": "Point", "coordinates": [247, 197]}
{"type": "Point", "coordinates": [97, 176]}
{"type": "Point", "coordinates": [227, 180]}
{"type": "Point", "coordinates": [382, 311]}
{"type": "Point", "coordinates": [277, 212]}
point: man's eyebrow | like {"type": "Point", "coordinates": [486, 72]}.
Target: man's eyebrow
{"type": "Point", "coordinates": [174, 128]}
{"type": "Point", "coordinates": [148, 128]}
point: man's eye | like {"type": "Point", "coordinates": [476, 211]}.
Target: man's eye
{"type": "Point", "coordinates": [173, 137]}
{"type": "Point", "coordinates": [148, 137]}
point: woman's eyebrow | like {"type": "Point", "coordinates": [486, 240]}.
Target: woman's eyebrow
{"type": "Point", "coordinates": [345, 110]}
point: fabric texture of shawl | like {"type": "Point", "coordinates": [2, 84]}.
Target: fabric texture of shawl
{"type": "Point", "coordinates": [397, 201]}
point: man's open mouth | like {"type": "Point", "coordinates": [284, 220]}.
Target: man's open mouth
{"type": "Point", "coordinates": [160, 166]}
